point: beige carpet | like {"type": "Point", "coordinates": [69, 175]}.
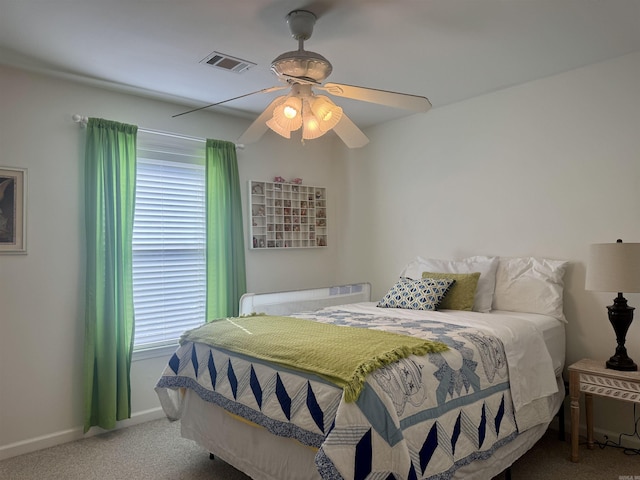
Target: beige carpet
{"type": "Point", "coordinates": [155, 450]}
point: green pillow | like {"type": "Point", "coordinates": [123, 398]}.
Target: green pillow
{"type": "Point", "coordinates": [461, 294]}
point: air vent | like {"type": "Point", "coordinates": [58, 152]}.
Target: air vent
{"type": "Point", "coordinates": [227, 62]}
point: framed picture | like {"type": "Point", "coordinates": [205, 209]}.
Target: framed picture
{"type": "Point", "coordinates": [13, 210]}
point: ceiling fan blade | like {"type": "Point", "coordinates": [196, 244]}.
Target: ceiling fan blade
{"type": "Point", "coordinates": [264, 90]}
{"type": "Point", "coordinates": [350, 134]}
{"type": "Point", "coordinates": [392, 99]}
{"type": "Point", "coordinates": [259, 125]}
{"type": "Point", "coordinates": [320, 7]}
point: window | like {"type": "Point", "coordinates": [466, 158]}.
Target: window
{"type": "Point", "coordinates": [169, 233]}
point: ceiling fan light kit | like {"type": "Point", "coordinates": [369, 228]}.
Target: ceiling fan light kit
{"type": "Point", "coordinates": [303, 70]}
{"type": "Point", "coordinates": [316, 114]}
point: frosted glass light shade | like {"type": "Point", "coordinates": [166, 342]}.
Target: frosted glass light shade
{"type": "Point", "coordinates": [273, 125]}
{"type": "Point", "coordinates": [327, 113]}
{"type": "Point", "coordinates": [614, 267]}
{"type": "Point", "coordinates": [287, 117]}
{"type": "Point", "coordinates": [311, 127]}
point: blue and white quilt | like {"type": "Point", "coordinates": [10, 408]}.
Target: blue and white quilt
{"type": "Point", "coordinates": [422, 417]}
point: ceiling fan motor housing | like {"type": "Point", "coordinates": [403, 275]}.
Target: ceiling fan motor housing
{"type": "Point", "coordinates": [302, 64]}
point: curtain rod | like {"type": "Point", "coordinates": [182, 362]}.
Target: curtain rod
{"type": "Point", "coordinates": [82, 120]}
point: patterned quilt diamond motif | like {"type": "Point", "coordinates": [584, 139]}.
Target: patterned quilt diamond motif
{"type": "Point", "coordinates": [314, 408]}
{"type": "Point", "coordinates": [213, 373]}
{"type": "Point", "coordinates": [430, 445]}
{"type": "Point", "coordinates": [255, 387]}
{"type": "Point", "coordinates": [482, 428]}
{"type": "Point", "coordinates": [456, 434]}
{"type": "Point", "coordinates": [174, 363]}
{"type": "Point", "coordinates": [194, 360]}
{"type": "Point", "coordinates": [364, 457]}
{"type": "Point", "coordinates": [283, 397]}
{"type": "Point", "coordinates": [412, 474]}
{"type": "Point", "coordinates": [499, 415]}
{"type": "Point", "coordinates": [233, 380]}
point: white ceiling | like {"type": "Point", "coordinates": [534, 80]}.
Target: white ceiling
{"type": "Point", "coordinates": [446, 50]}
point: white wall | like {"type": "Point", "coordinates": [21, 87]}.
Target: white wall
{"type": "Point", "coordinates": [541, 169]}
{"type": "Point", "coordinates": [42, 293]}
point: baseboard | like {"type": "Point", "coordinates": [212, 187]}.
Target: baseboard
{"type": "Point", "coordinates": [71, 435]}
{"type": "Point", "coordinates": [601, 435]}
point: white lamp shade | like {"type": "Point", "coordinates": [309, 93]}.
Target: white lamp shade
{"type": "Point", "coordinates": [327, 113]}
{"type": "Point", "coordinates": [273, 125]}
{"type": "Point", "coordinates": [311, 126]}
{"type": "Point", "coordinates": [614, 267]}
{"type": "Point", "coordinates": [287, 116]}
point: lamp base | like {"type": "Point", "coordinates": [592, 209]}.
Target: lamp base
{"type": "Point", "coordinates": [624, 364]}
{"type": "Point", "coordinates": [621, 316]}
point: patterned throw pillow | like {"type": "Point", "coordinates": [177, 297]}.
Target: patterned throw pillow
{"type": "Point", "coordinates": [424, 294]}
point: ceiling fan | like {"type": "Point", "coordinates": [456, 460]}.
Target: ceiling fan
{"type": "Point", "coordinates": [303, 73]}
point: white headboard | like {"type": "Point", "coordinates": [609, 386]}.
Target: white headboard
{"type": "Point", "coordinates": [286, 303]}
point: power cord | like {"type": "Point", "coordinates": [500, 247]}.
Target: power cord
{"type": "Point", "coordinates": [618, 444]}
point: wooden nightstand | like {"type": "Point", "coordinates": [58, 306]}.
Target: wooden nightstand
{"type": "Point", "coordinates": [592, 378]}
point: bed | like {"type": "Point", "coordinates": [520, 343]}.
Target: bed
{"type": "Point", "coordinates": [468, 411]}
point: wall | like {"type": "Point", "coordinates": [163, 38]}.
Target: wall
{"type": "Point", "coordinates": [541, 169]}
{"type": "Point", "coordinates": [42, 293]}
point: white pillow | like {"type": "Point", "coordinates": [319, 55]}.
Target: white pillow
{"type": "Point", "coordinates": [485, 265]}
{"type": "Point", "coordinates": [533, 285]}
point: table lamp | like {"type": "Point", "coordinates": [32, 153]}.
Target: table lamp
{"type": "Point", "coordinates": [615, 267]}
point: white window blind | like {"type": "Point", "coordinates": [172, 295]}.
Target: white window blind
{"type": "Point", "coordinates": [169, 233]}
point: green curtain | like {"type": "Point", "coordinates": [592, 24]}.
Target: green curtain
{"type": "Point", "coordinates": [226, 276]}
{"type": "Point", "coordinates": [110, 186]}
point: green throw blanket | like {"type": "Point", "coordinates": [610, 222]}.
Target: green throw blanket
{"type": "Point", "coordinates": [342, 355]}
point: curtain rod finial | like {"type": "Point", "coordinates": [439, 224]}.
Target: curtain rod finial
{"type": "Point", "coordinates": [81, 120]}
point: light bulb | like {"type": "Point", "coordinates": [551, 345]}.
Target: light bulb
{"type": "Point", "coordinates": [290, 112]}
